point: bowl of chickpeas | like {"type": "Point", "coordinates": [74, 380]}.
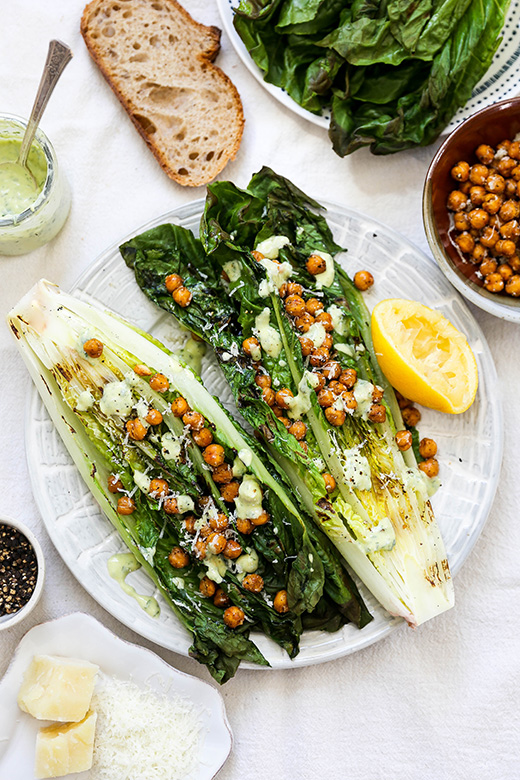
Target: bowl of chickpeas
{"type": "Point", "coordinates": [471, 209]}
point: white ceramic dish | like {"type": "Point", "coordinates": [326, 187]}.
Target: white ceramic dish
{"type": "Point", "coordinates": [81, 636]}
{"type": "Point", "coordinates": [501, 81]}
{"type": "Point", "coordinates": [470, 445]}
{"type": "Point", "coordinates": [8, 621]}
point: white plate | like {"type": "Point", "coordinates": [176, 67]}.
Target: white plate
{"type": "Point", "coordinates": [81, 636]}
{"type": "Point", "coordinates": [470, 445]}
{"type": "Point", "coordinates": [501, 81]}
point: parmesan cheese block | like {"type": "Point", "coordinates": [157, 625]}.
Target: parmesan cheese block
{"type": "Point", "coordinates": [65, 748]}
{"type": "Point", "coordinates": [55, 688]}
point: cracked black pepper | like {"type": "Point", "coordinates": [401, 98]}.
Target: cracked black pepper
{"type": "Point", "coordinates": [18, 570]}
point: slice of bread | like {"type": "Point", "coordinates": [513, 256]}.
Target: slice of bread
{"type": "Point", "coordinates": [158, 61]}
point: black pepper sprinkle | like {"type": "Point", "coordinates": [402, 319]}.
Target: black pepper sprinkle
{"type": "Point", "coordinates": [18, 570]}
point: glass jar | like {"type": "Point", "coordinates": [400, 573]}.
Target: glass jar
{"type": "Point", "coordinates": [44, 218]}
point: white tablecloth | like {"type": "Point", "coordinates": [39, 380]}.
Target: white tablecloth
{"type": "Point", "coordinates": [440, 702]}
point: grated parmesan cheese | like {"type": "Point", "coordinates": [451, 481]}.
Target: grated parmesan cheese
{"type": "Point", "coordinates": [142, 735]}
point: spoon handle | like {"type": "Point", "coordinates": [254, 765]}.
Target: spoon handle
{"type": "Point", "coordinates": [58, 56]}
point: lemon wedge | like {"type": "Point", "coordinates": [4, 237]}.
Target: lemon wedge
{"type": "Point", "coordinates": [424, 356]}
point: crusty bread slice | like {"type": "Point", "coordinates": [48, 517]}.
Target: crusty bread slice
{"type": "Point", "coordinates": [158, 61]}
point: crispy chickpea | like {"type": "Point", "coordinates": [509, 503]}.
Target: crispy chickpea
{"type": "Point", "coordinates": [135, 429]}
{"type": "Point", "coordinates": [478, 173]}
{"type": "Point", "coordinates": [402, 401]}
{"type": "Point", "coordinates": [515, 173]}
{"type": "Point", "coordinates": [283, 398]}
{"type": "Point", "coordinates": [314, 306]}
{"type": "Point", "coordinates": [253, 583]}
{"type": "Point", "coordinates": [336, 387]}
{"type": "Point", "coordinates": [223, 474]}
{"type": "Point", "coordinates": [244, 526]}
{"type": "Point", "coordinates": [430, 467]}
{"type": "Point", "coordinates": [294, 289]}
{"type": "Point", "coordinates": [298, 430]}
{"type": "Point", "coordinates": [331, 370]}
{"type": "Point", "coordinates": [494, 283]}
{"type": "Point", "coordinates": [277, 411]}
{"type": "Point", "coordinates": [93, 348]}
{"type": "Point", "coordinates": [180, 406]}
{"type": "Point", "coordinates": [510, 190]}
{"type": "Point", "coordinates": [159, 488]}
{"type": "Point", "coordinates": [328, 341]}
{"type": "Point", "coordinates": [159, 383]}
{"type": "Point", "coordinates": [510, 230]}
{"type": "Point", "coordinates": [335, 416]}
{"type": "Point", "coordinates": [325, 319]}
{"type": "Point", "coordinates": [182, 296]}
{"type": "Point", "coordinates": [214, 455]}
{"type": "Point", "coordinates": [304, 322]}
{"type": "Point", "coordinates": [170, 506]}
{"type": "Point", "coordinates": [282, 290]}
{"type": "Point", "coordinates": [269, 396]}
{"type": "Point", "coordinates": [307, 346]}
{"type": "Point", "coordinates": [220, 522]}
{"type": "Point", "coordinates": [495, 183]}
{"type": "Point", "coordinates": [281, 602]}
{"type": "Point", "coordinates": [478, 218]}
{"type": "Point", "coordinates": [348, 378]}
{"type": "Point", "coordinates": [114, 484]}
{"type": "Point", "coordinates": [509, 210]}
{"type": "Point", "coordinates": [460, 172]}
{"type": "Point", "coordinates": [363, 280]}
{"type": "Point", "coordinates": [154, 417]}
{"type": "Point", "coordinates": [465, 242]}
{"type": "Point", "coordinates": [320, 381]}
{"type": "Point", "coordinates": [251, 346]}
{"type": "Point", "coordinates": [257, 255]}
{"type": "Point", "coordinates": [427, 448]}
{"type": "Point", "coordinates": [316, 265]}
{"type": "Point", "coordinates": [514, 150]}
{"type": "Point", "coordinates": [234, 617]}
{"type": "Point", "coordinates": [505, 166]}
{"type": "Point", "coordinates": [478, 254]}
{"type": "Point", "coordinates": [262, 518]}
{"type": "Point", "coordinates": [492, 203]}
{"type": "Point", "coordinates": [477, 195]}
{"type": "Point", "coordinates": [142, 370]}
{"type": "Point", "coordinates": [173, 282]}
{"type": "Point", "coordinates": [505, 271]}
{"type": "Point", "coordinates": [294, 305]}
{"type": "Point", "coordinates": [221, 599]}
{"type": "Point", "coordinates": [203, 438]}
{"type": "Point", "coordinates": [188, 522]}
{"type": "Point", "coordinates": [330, 482]}
{"type": "Point", "coordinates": [465, 187]}
{"type": "Point", "coordinates": [304, 446]}
{"type": "Point", "coordinates": [125, 505]}
{"type": "Point", "coordinates": [207, 587]}
{"type": "Point", "coordinates": [319, 357]}
{"type": "Point", "coordinates": [456, 201]}
{"type": "Point", "coordinates": [349, 400]}
{"type": "Point", "coordinates": [377, 394]}
{"type": "Point", "coordinates": [285, 421]}
{"type": "Point", "coordinates": [263, 380]}
{"type": "Point", "coordinates": [506, 144]}
{"type": "Point", "coordinates": [216, 543]}
{"type": "Point", "coordinates": [230, 491]}
{"type": "Point", "coordinates": [513, 286]}
{"type": "Point", "coordinates": [507, 248]}
{"type": "Point", "coordinates": [200, 549]}
{"type": "Point", "coordinates": [178, 558]}
{"type": "Point", "coordinates": [489, 266]}
{"type": "Point", "coordinates": [377, 413]}
{"type": "Point", "coordinates": [232, 549]}
{"type": "Point", "coordinates": [489, 237]}
{"type": "Point", "coordinates": [411, 416]}
{"type": "Point", "coordinates": [461, 221]}
{"type": "Point", "coordinates": [404, 440]}
{"type": "Point", "coordinates": [193, 420]}
{"type": "Point", "coordinates": [326, 398]}
{"type": "Point", "coordinates": [485, 154]}
{"type": "Point", "coordinates": [514, 262]}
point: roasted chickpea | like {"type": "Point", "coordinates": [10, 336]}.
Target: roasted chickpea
{"type": "Point", "coordinates": [495, 183]}
{"type": "Point", "coordinates": [319, 357]}
{"type": "Point", "coordinates": [281, 602]}
{"type": "Point", "coordinates": [244, 526]}
{"type": "Point", "coordinates": [404, 440]}
{"type": "Point", "coordinates": [114, 484]}
{"type": "Point", "coordinates": [510, 190]}
{"type": "Point", "coordinates": [214, 455]}
{"type": "Point", "coordinates": [478, 218]}
{"type": "Point", "coordinates": [349, 400]}
{"type": "Point", "coordinates": [461, 221]}
{"type": "Point", "coordinates": [220, 522]}
{"type": "Point", "coordinates": [348, 378]}
{"type": "Point", "coordinates": [460, 172]}
{"type": "Point", "coordinates": [492, 203]}
{"type": "Point", "coordinates": [193, 420]}
{"type": "Point", "coordinates": [142, 370]}
{"type": "Point", "coordinates": [505, 166]}
{"type": "Point", "coordinates": [377, 394]}
{"type": "Point", "coordinates": [335, 416]}
{"type": "Point", "coordinates": [230, 491]}
{"type": "Point", "coordinates": [465, 242]}
{"type": "Point", "coordinates": [506, 144]}
{"type": "Point", "coordinates": [514, 262]}
{"type": "Point", "coordinates": [234, 617]}
{"type": "Point", "coordinates": [485, 154]}
{"type": "Point", "coordinates": [515, 173]}
{"type": "Point", "coordinates": [263, 380]}
{"type": "Point", "coordinates": [298, 430]}
{"type": "Point", "coordinates": [159, 383]}
{"type": "Point", "coordinates": [509, 210]}
{"type": "Point", "coordinates": [93, 348]}
{"type": "Point", "coordinates": [282, 290]}
{"type": "Point", "coordinates": [304, 322]}
{"type": "Point", "coordinates": [510, 230]}
{"type": "Point", "coordinates": [253, 583]}
{"type": "Point", "coordinates": [513, 286]}
{"type": "Point", "coordinates": [200, 549]}
{"type": "Point", "coordinates": [294, 305]}
{"type": "Point", "coordinates": [207, 587]}
{"type": "Point", "coordinates": [189, 522]}
{"type": "Point", "coordinates": [283, 398]}
{"type": "Point", "coordinates": [223, 474]}
{"type": "Point", "coordinates": [232, 549]}
{"type": "Point", "coordinates": [411, 416]}
{"type": "Point", "coordinates": [285, 421]}
{"type": "Point", "coordinates": [221, 599]}
{"type": "Point", "coordinates": [262, 518]}
{"type": "Point", "coordinates": [178, 558]}
{"type": "Point", "coordinates": [326, 397]}
{"type": "Point", "coordinates": [154, 417]}
{"type": "Point", "coordinates": [505, 271]}
{"type": "Point", "coordinates": [251, 347]}
{"type": "Point", "coordinates": [336, 387]}
{"type": "Point", "coordinates": [507, 248]}
{"type": "Point", "coordinates": [180, 406]}
{"type": "Point", "coordinates": [402, 401]}
{"type": "Point", "coordinates": [182, 296]}
{"type": "Point", "coordinates": [216, 543]}
{"type": "Point", "coordinates": [294, 289]}
{"type": "Point", "coordinates": [159, 488]}
{"type": "Point", "coordinates": [489, 237]}
{"type": "Point", "coordinates": [170, 506]}
{"type": "Point", "coordinates": [477, 195]}
{"type": "Point", "coordinates": [377, 413]}
{"type": "Point", "coordinates": [202, 438]}
{"type": "Point", "coordinates": [488, 266]}
{"type": "Point", "coordinates": [494, 283]}
{"type": "Point", "coordinates": [316, 265]}
{"type": "Point", "coordinates": [514, 150]}
{"type": "Point", "coordinates": [257, 255]}
{"type": "Point", "coordinates": [320, 381]}
{"type": "Point", "coordinates": [307, 346]}
{"type": "Point", "coordinates": [430, 467]}
{"type": "Point", "coordinates": [427, 448]}
{"type": "Point", "coordinates": [465, 187]}
{"type": "Point", "coordinates": [478, 174]}
{"type": "Point", "coordinates": [330, 482]}
{"type": "Point", "coordinates": [125, 505]}
{"type": "Point", "coordinates": [314, 306]}
{"type": "Point", "coordinates": [363, 280]}
{"type": "Point", "coordinates": [325, 319]}
{"type": "Point", "coordinates": [328, 341]}
{"type": "Point", "coordinates": [136, 429]}
{"type": "Point", "coordinates": [331, 370]}
{"type": "Point", "coordinates": [269, 396]}
{"type": "Point", "coordinates": [173, 282]}
{"type": "Point", "coordinates": [479, 253]}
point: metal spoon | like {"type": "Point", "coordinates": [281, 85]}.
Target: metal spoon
{"type": "Point", "coordinates": [58, 57]}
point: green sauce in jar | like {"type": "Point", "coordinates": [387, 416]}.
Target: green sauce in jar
{"type": "Point", "coordinates": [17, 189]}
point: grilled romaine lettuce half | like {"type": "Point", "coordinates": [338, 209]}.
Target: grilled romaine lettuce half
{"type": "Point", "coordinates": [253, 255]}
{"type": "Point", "coordinates": [163, 458]}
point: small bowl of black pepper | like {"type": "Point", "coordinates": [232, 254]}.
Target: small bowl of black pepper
{"type": "Point", "coordinates": [22, 571]}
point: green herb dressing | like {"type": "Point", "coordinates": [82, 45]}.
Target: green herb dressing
{"type": "Point", "coordinates": [192, 354]}
{"type": "Point", "coordinates": [119, 567]}
{"type": "Point", "coordinates": [17, 188]}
